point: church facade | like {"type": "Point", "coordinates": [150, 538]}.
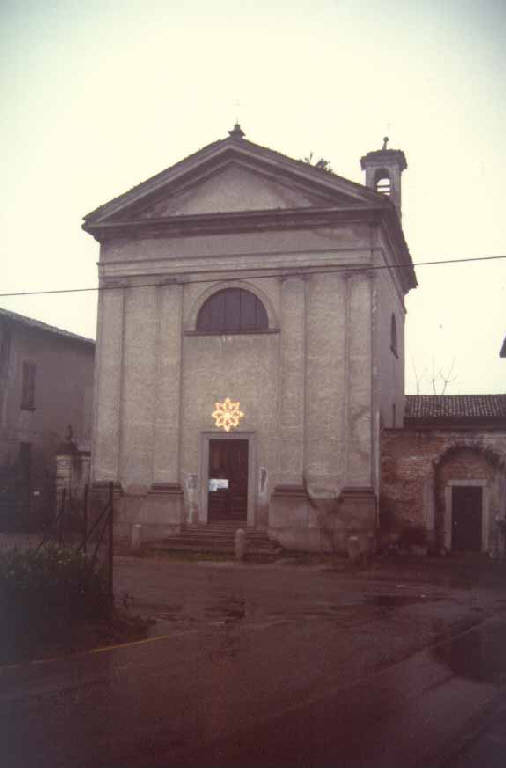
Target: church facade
{"type": "Point", "coordinates": [250, 342]}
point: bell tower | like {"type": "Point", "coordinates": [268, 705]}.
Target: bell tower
{"type": "Point", "coordinates": [383, 169]}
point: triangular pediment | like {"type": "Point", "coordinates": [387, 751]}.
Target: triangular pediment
{"type": "Point", "coordinates": [235, 188]}
{"type": "Point", "coordinates": [231, 176]}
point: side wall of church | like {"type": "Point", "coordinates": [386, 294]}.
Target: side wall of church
{"type": "Point", "coordinates": [389, 357]}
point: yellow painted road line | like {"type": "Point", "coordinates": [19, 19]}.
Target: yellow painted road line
{"type": "Point", "coordinates": [78, 654]}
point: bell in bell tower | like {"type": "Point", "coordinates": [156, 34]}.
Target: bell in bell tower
{"type": "Point", "coordinates": [383, 169]}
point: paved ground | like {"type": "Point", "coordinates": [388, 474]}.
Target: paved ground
{"type": "Point", "coordinates": [278, 665]}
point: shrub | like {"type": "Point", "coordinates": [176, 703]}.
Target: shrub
{"type": "Point", "coordinates": [44, 592]}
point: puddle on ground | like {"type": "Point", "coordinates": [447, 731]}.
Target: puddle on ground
{"type": "Point", "coordinates": [397, 601]}
{"type": "Point", "coordinates": [477, 655]}
{"type": "Point", "coordinates": [233, 610]}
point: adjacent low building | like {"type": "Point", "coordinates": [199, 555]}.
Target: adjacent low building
{"type": "Point", "coordinates": [46, 386]}
{"type": "Point", "coordinates": [445, 471]}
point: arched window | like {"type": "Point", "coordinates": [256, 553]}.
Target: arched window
{"type": "Point", "coordinates": [232, 310]}
{"type": "Point", "coordinates": [382, 183]}
{"type": "Point", "coordinates": [393, 335]}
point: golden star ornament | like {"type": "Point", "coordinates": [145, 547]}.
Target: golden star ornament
{"type": "Point", "coordinates": [227, 414]}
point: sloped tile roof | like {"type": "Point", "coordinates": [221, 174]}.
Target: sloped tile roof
{"type": "Point", "coordinates": [455, 407]}
{"type": "Point", "coordinates": [40, 326]}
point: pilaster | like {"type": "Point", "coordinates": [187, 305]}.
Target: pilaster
{"type": "Point", "coordinates": [292, 354]}
{"type": "Point", "coordinates": [359, 375]}
{"type": "Point", "coordinates": [137, 414]}
{"type": "Point", "coordinates": [168, 386]}
{"type": "Point", "coordinates": [108, 385]}
{"type": "Point", "coordinates": [325, 383]}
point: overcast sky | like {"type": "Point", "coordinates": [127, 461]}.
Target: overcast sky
{"type": "Point", "coordinates": [98, 95]}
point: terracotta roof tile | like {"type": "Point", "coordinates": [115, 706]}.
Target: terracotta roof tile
{"type": "Point", "coordinates": [455, 407]}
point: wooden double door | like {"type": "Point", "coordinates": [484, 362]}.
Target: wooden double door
{"type": "Point", "coordinates": [228, 480]}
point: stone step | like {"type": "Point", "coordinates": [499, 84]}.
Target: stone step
{"type": "Point", "coordinates": [221, 535]}
{"type": "Point", "coordinates": [222, 549]}
{"type": "Point", "coordinates": [218, 537]}
{"type": "Point", "coordinates": [253, 540]}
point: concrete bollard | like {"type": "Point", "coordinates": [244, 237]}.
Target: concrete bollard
{"type": "Point", "coordinates": [240, 544]}
{"type": "Point", "coordinates": [360, 548]}
{"type": "Point", "coordinates": [136, 537]}
{"type": "Point", "coordinates": [354, 549]}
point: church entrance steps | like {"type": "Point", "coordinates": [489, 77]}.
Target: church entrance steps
{"type": "Point", "coordinates": [218, 537]}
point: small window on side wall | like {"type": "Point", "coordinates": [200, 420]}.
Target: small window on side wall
{"type": "Point", "coordinates": [393, 335]}
{"type": "Point", "coordinates": [232, 310]}
{"type": "Point", "coordinates": [28, 386]}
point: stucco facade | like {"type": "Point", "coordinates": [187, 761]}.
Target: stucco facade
{"type": "Point", "coordinates": [46, 384]}
{"type": "Point", "coordinates": [322, 255]}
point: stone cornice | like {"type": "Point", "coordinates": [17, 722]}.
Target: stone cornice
{"type": "Point", "coordinates": [223, 223]}
{"type": "Point", "coordinates": [263, 221]}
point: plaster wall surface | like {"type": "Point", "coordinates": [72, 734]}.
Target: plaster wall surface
{"type": "Point", "coordinates": [139, 386]}
{"type": "Point", "coordinates": [171, 255]}
{"type": "Point", "coordinates": [311, 388]}
{"type": "Point", "coordinates": [305, 388]}
{"type": "Point", "coordinates": [63, 392]}
{"type": "Point", "coordinates": [108, 387]}
{"type": "Point", "coordinates": [233, 188]}
{"type": "Point", "coordinates": [389, 361]}
{"type": "Point", "coordinates": [243, 368]}
{"type": "Point", "coordinates": [361, 440]}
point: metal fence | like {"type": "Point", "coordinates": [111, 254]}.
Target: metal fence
{"type": "Point", "coordinates": [85, 524]}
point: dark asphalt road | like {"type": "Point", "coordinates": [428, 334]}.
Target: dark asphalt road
{"type": "Point", "coordinates": [265, 666]}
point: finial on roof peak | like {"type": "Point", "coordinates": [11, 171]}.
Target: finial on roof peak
{"type": "Point", "coordinates": [236, 132]}
{"type": "Point", "coordinates": [385, 142]}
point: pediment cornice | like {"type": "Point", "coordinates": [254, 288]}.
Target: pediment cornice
{"type": "Point", "coordinates": [323, 199]}
{"type": "Point", "coordinates": [328, 188]}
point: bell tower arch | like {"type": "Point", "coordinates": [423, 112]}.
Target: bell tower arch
{"type": "Point", "coordinates": [383, 169]}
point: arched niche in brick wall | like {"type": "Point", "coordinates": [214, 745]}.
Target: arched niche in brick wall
{"type": "Point", "coordinates": [468, 466]}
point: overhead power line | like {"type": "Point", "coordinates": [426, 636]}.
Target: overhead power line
{"type": "Point", "coordinates": [183, 280]}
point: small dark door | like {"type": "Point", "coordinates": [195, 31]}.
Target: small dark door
{"type": "Point", "coordinates": [228, 480]}
{"type": "Point", "coordinates": [466, 518]}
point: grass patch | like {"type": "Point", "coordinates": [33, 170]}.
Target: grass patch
{"type": "Point", "coordinates": [55, 599]}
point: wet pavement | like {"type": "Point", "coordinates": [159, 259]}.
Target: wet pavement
{"type": "Point", "coordinates": [274, 665]}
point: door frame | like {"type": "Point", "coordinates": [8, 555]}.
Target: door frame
{"type": "Point", "coordinates": [448, 517]}
{"type": "Point", "coordinates": [205, 438]}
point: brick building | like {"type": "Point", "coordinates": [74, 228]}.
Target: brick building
{"type": "Point", "coordinates": [445, 470]}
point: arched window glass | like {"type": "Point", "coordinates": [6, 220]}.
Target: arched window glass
{"type": "Point", "coordinates": [393, 335]}
{"type": "Point", "coordinates": [382, 183]}
{"type": "Point", "coordinates": [232, 310]}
